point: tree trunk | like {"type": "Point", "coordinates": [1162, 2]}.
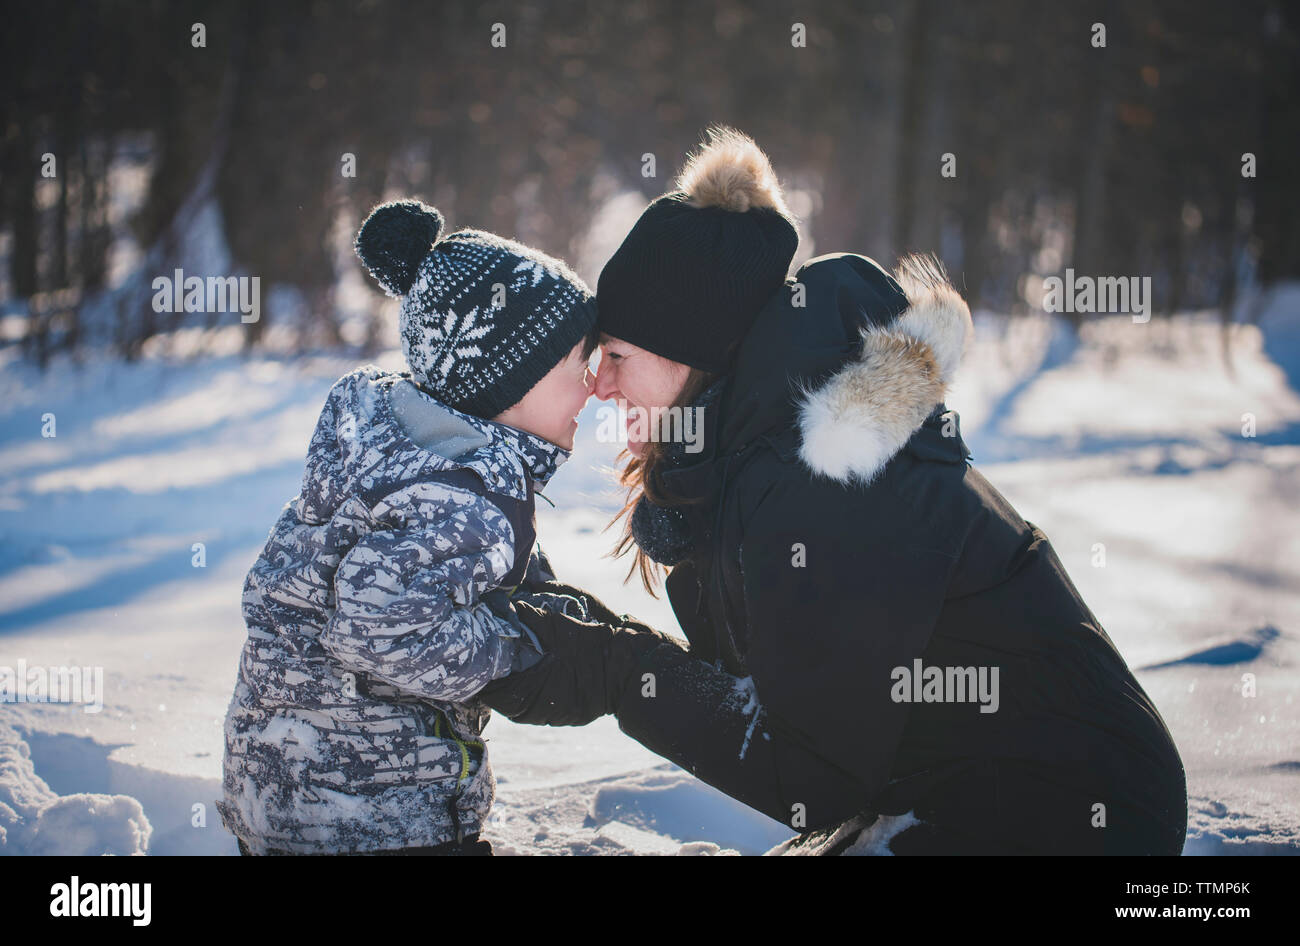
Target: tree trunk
{"type": "Point", "coordinates": [911, 121]}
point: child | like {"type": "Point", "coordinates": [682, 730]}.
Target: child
{"type": "Point", "coordinates": [377, 609]}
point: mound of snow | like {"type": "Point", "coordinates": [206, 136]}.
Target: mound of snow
{"type": "Point", "coordinates": [662, 810]}
{"type": "Point", "coordinates": [34, 820]}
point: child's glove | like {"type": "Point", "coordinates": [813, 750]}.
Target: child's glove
{"type": "Point", "coordinates": [582, 675]}
{"type": "Point", "coordinates": [539, 569]}
{"type": "Point", "coordinates": [527, 649]}
{"type": "Point", "coordinates": [592, 608]}
{"type": "Point", "coordinates": [572, 605]}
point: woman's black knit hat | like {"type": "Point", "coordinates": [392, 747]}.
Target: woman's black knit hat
{"type": "Point", "coordinates": [692, 274]}
{"type": "Point", "coordinates": [483, 318]}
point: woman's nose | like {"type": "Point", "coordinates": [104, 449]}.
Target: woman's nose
{"type": "Point", "coordinates": [606, 388]}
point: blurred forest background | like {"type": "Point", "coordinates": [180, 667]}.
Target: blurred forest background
{"type": "Point", "coordinates": [229, 157]}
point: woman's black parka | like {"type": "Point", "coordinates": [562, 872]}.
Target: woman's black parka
{"type": "Point", "coordinates": [847, 553]}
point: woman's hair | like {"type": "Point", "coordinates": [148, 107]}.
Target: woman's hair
{"type": "Point", "coordinates": [638, 476]}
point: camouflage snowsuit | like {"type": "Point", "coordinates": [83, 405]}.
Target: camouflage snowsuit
{"type": "Point", "coordinates": [353, 725]}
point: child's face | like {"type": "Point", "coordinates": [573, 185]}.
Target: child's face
{"type": "Point", "coordinates": [550, 410]}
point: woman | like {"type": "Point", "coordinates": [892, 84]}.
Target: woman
{"type": "Point", "coordinates": [873, 629]}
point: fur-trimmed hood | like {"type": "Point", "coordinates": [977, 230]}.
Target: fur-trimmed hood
{"type": "Point", "coordinates": [854, 423]}
{"type": "Point", "coordinates": [854, 358]}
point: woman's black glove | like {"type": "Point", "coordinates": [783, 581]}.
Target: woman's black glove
{"type": "Point", "coordinates": [582, 675]}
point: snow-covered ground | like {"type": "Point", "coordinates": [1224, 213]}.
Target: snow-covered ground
{"type": "Point", "coordinates": [1127, 448]}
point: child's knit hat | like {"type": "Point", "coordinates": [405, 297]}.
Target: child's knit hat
{"type": "Point", "coordinates": [483, 318]}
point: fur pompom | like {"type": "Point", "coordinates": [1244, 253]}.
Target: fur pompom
{"type": "Point", "coordinates": [733, 173]}
{"type": "Point", "coordinates": [395, 239]}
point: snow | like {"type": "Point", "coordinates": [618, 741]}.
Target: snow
{"type": "Point", "coordinates": [36, 820]}
{"type": "Point", "coordinates": [752, 708]}
{"type": "Point", "coordinates": [1126, 446]}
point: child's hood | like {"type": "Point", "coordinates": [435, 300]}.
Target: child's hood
{"type": "Point", "coordinates": [378, 432]}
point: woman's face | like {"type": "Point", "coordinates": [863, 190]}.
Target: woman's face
{"type": "Point", "coordinates": [646, 382]}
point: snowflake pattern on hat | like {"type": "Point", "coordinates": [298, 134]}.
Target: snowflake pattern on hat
{"type": "Point", "coordinates": [456, 331]}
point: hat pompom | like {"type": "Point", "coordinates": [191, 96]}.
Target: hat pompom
{"type": "Point", "coordinates": [395, 239]}
{"type": "Point", "coordinates": [733, 173]}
